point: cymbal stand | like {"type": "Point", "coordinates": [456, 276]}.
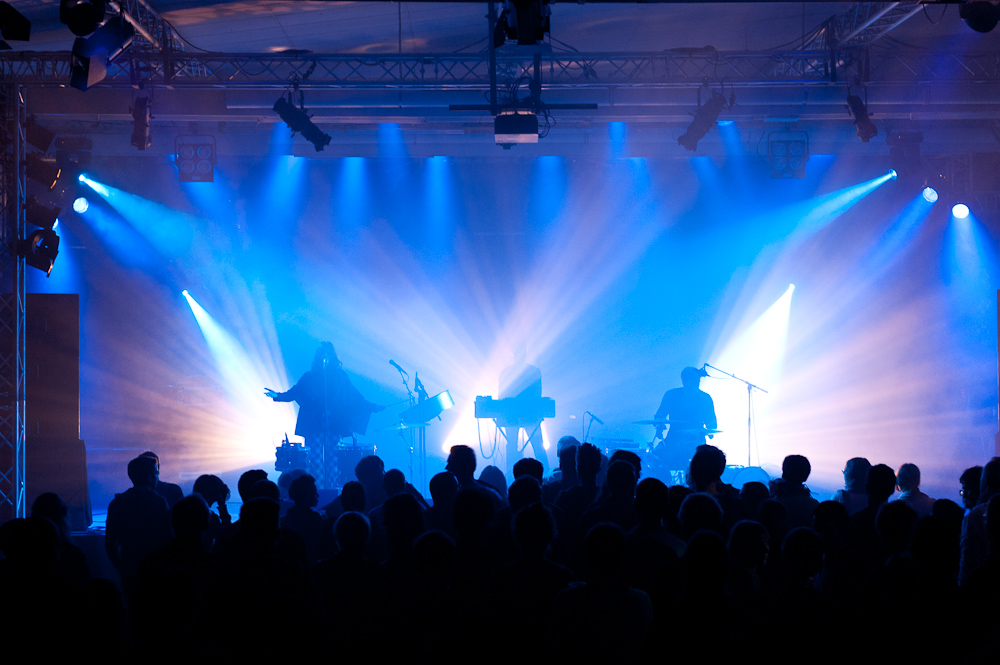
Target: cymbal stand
{"type": "Point", "coordinates": [750, 388]}
{"type": "Point", "coordinates": [411, 401]}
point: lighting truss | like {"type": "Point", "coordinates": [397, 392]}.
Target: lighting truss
{"type": "Point", "coordinates": [562, 70]}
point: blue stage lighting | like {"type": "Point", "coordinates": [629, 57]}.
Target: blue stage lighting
{"type": "Point", "coordinates": [893, 174]}
{"type": "Point", "coordinates": [82, 177]}
{"type": "Point", "coordinates": [81, 205]}
{"type": "Point", "coordinates": [930, 194]}
{"type": "Point", "coordinates": [960, 211]}
{"type": "Point", "coordinates": [185, 293]}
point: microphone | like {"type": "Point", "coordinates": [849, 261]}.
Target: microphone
{"type": "Point", "coordinates": [401, 370]}
{"type": "Point", "coordinates": [593, 417]}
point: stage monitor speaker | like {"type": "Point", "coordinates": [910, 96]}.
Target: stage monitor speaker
{"type": "Point", "coordinates": [52, 366]}
{"type": "Point", "coordinates": [60, 466]}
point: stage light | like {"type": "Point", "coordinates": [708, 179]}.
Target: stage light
{"type": "Point", "coordinates": [13, 26]}
{"type": "Point", "coordinates": [787, 153]}
{"type": "Point", "coordinates": [527, 21]}
{"type": "Point", "coordinates": [38, 214]}
{"type": "Point", "coordinates": [141, 114]}
{"type": "Point", "coordinates": [892, 174]}
{"type": "Point", "coordinates": [866, 129]}
{"type": "Point", "coordinates": [980, 15]}
{"type": "Point", "coordinates": [960, 211]}
{"type": "Point", "coordinates": [194, 157]}
{"type": "Point", "coordinates": [185, 293]}
{"type": "Point", "coordinates": [81, 205]}
{"type": "Point", "coordinates": [298, 121]}
{"type": "Point", "coordinates": [82, 17]}
{"type": "Point", "coordinates": [43, 170]}
{"type": "Point", "coordinates": [39, 250]}
{"type": "Point", "coordinates": [930, 194]}
{"type": "Point", "coordinates": [704, 118]}
{"type": "Point", "coordinates": [91, 55]}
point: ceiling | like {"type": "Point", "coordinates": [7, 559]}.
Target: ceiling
{"type": "Point", "coordinates": [957, 111]}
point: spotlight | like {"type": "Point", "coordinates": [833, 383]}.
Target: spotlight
{"type": "Point", "coordinates": [92, 55]}
{"type": "Point", "coordinates": [704, 118]}
{"type": "Point", "coordinates": [930, 194]}
{"type": "Point", "coordinates": [82, 17]}
{"type": "Point", "coordinates": [140, 123]}
{"type": "Point", "coordinates": [39, 250]}
{"type": "Point", "coordinates": [892, 174]}
{"type": "Point", "coordinates": [980, 15]}
{"type": "Point", "coordinates": [298, 121]}
{"type": "Point", "coordinates": [43, 170]}
{"type": "Point", "coordinates": [81, 205]}
{"type": "Point", "coordinates": [195, 158]}
{"type": "Point", "coordinates": [38, 214]}
{"type": "Point", "coordinates": [527, 21]}
{"type": "Point", "coordinates": [515, 127]}
{"type": "Point", "coordinates": [960, 211]}
{"type": "Point", "coordinates": [787, 152]}
{"type": "Point", "coordinates": [13, 26]}
{"type": "Point", "coordinates": [866, 129]}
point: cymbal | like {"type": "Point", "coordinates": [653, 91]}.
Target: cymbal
{"type": "Point", "coordinates": [653, 422]}
{"type": "Point", "coordinates": [400, 427]}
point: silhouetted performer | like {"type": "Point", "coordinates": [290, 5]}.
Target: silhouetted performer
{"type": "Point", "coordinates": [330, 408]}
{"type": "Point", "coordinates": [690, 411]}
{"type": "Point", "coordinates": [521, 380]}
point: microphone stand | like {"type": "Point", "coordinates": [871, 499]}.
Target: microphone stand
{"type": "Point", "coordinates": [421, 435]}
{"type": "Point", "coordinates": [409, 400]}
{"type": "Point", "coordinates": [750, 388]}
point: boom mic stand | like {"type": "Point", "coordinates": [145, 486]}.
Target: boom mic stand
{"type": "Point", "coordinates": [750, 388]}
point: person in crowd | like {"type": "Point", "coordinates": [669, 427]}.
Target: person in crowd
{"type": "Point", "coordinates": [853, 496]}
{"type": "Point", "coordinates": [169, 491]}
{"type": "Point", "coordinates": [462, 463]}
{"type": "Point", "coordinates": [908, 484]}
{"type": "Point", "coordinates": [791, 491]}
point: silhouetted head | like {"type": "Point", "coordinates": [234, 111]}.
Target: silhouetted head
{"type": "Point", "coordinates": [908, 478]}
{"type": "Point", "coordinates": [393, 482]}
{"type": "Point", "coordinates": [691, 377]}
{"type": "Point", "coordinates": [951, 514]}
{"type": "Point", "coordinates": [631, 458]}
{"type": "Point", "coordinates": [895, 523]}
{"type": "Point", "coordinates": [705, 564]}
{"type": "Point", "coordinates": [749, 544]}
{"type": "Point", "coordinates": [534, 529]}
{"type": "Point", "coordinates": [352, 530]}
{"type": "Point", "coordinates": [699, 511]}
{"type": "Point", "coordinates": [523, 492]}
{"type": "Point", "coordinates": [970, 480]}
{"type": "Point", "coordinates": [567, 448]}
{"type": "Point", "coordinates": [189, 517]}
{"type": "Point", "coordinates": [51, 507]}
{"type": "Point", "coordinates": [403, 520]}
{"type": "Point", "coordinates": [795, 469]}
{"type": "Point", "coordinates": [801, 554]}
{"type": "Point", "coordinates": [212, 489]}
{"type": "Point", "coordinates": [621, 480]}
{"type": "Point", "coordinates": [830, 520]}
{"type": "Point", "coordinates": [444, 488]}
{"type": "Point", "coordinates": [990, 482]}
{"type": "Point", "coordinates": [652, 499]}
{"type": "Point", "coordinates": [753, 494]}
{"type": "Point", "coordinates": [369, 470]}
{"type": "Point", "coordinates": [856, 473]}
{"type": "Point", "coordinates": [325, 356]}
{"type": "Point", "coordinates": [604, 549]}
{"type": "Point", "coordinates": [286, 478]}
{"type": "Point", "coordinates": [352, 496]}
{"type": "Point", "coordinates": [564, 443]}
{"type": "Point", "coordinates": [247, 481]}
{"type": "Point", "coordinates": [142, 472]}
{"type": "Point", "coordinates": [303, 491]}
{"type": "Point", "coordinates": [494, 477]}
{"type": "Point", "coordinates": [472, 513]}
{"type": "Point", "coordinates": [529, 466]}
{"type": "Point", "coordinates": [153, 456]}
{"type": "Point", "coordinates": [434, 556]}
{"type": "Point", "coordinates": [461, 462]}
{"type": "Point", "coordinates": [881, 483]}
{"type": "Point", "coordinates": [707, 467]}
{"type": "Point", "coordinates": [260, 524]}
{"type": "Point", "coordinates": [588, 463]}
{"type": "Point", "coordinates": [264, 489]}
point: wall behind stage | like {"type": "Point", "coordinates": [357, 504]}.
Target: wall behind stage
{"type": "Point", "coordinates": [615, 274]}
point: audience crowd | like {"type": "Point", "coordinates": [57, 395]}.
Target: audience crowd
{"type": "Point", "coordinates": [594, 564]}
